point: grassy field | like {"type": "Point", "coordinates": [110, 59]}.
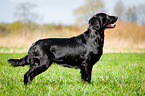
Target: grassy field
{"type": "Point", "coordinates": [117, 74]}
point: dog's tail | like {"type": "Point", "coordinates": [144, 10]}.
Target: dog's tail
{"type": "Point", "coordinates": [19, 62]}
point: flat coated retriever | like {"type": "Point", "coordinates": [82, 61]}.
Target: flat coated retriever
{"type": "Point", "coordinates": [80, 52]}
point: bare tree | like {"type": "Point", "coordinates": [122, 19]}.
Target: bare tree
{"type": "Point", "coordinates": [131, 14]}
{"type": "Point", "coordinates": [141, 13]}
{"type": "Point", "coordinates": [119, 9]}
{"type": "Point", "coordinates": [24, 13]}
{"type": "Point", "coordinates": [90, 8]}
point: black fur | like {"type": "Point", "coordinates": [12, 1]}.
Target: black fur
{"type": "Point", "coordinates": [80, 52]}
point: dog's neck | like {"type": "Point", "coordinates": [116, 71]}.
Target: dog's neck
{"type": "Point", "coordinates": [96, 35]}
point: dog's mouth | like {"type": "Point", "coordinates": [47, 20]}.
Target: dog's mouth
{"type": "Point", "coordinates": [111, 25]}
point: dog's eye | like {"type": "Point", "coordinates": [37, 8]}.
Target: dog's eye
{"type": "Point", "coordinates": [107, 17]}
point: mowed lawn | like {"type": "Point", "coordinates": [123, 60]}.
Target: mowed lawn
{"type": "Point", "coordinates": [117, 74]}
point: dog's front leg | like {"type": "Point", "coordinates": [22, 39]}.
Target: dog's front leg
{"type": "Point", "coordinates": [86, 71]}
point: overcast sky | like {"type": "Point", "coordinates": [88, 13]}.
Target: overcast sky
{"type": "Point", "coordinates": [53, 11]}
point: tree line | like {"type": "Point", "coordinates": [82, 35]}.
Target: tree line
{"type": "Point", "coordinates": [91, 7]}
{"type": "Point", "coordinates": [131, 14]}
{"type": "Point", "coordinates": [27, 18]}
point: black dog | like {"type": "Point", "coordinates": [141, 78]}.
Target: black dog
{"type": "Point", "coordinates": [80, 52]}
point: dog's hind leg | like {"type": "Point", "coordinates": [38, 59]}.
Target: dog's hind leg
{"type": "Point", "coordinates": [40, 66]}
{"type": "Point", "coordinates": [19, 62]}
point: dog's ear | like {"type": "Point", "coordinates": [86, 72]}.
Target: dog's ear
{"type": "Point", "coordinates": [94, 21]}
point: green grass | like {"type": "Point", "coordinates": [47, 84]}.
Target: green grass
{"type": "Point", "coordinates": [117, 74]}
{"type": "Point", "coordinates": [13, 49]}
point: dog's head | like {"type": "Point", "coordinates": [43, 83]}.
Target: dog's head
{"type": "Point", "coordinates": [102, 21]}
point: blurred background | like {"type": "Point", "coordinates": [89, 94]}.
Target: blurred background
{"type": "Point", "coordinates": [22, 22]}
